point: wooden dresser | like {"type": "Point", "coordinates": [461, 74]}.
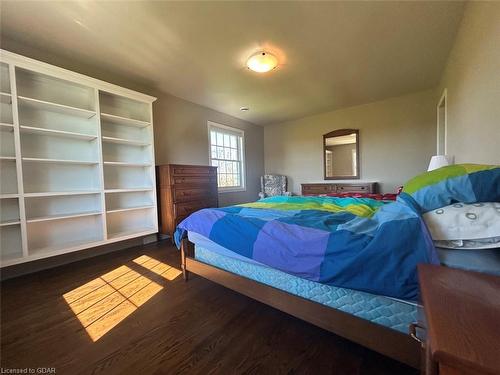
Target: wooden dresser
{"type": "Point", "coordinates": [462, 311]}
{"type": "Point", "coordinates": [182, 190]}
{"type": "Point", "coordinates": [339, 187]}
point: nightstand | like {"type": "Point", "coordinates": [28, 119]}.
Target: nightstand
{"type": "Point", "coordinates": [462, 314]}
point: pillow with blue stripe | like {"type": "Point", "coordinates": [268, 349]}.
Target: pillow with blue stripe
{"type": "Point", "coordinates": [467, 183]}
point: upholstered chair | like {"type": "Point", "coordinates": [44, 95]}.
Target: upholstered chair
{"type": "Point", "coordinates": [272, 185]}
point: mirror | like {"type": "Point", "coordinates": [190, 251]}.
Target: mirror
{"type": "Point", "coordinates": [341, 154]}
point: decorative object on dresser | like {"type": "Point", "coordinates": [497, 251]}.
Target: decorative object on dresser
{"type": "Point", "coordinates": [341, 187]}
{"type": "Point", "coordinates": [76, 161]}
{"type": "Point", "coordinates": [272, 185]}
{"type": "Point", "coordinates": [182, 190]}
{"type": "Point", "coordinates": [461, 313]}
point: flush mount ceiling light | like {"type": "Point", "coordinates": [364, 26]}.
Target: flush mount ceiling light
{"type": "Point", "coordinates": [262, 62]}
{"type": "Point", "coordinates": [244, 109]}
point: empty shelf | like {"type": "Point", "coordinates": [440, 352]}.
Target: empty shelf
{"type": "Point", "coordinates": [63, 216]}
{"type": "Point", "coordinates": [4, 125]}
{"type": "Point", "coordinates": [129, 209]}
{"type": "Point", "coordinates": [62, 161]}
{"type": "Point", "coordinates": [10, 222]}
{"type": "Point", "coordinates": [5, 97]}
{"type": "Point", "coordinates": [55, 107]}
{"type": "Point", "coordinates": [57, 193]}
{"type": "Point", "coordinates": [124, 141]}
{"type": "Point", "coordinates": [66, 246]}
{"type": "Point", "coordinates": [9, 196]}
{"type": "Point", "coordinates": [127, 164]}
{"type": "Point", "coordinates": [138, 232]}
{"type": "Point", "coordinates": [124, 120]}
{"type": "Point", "coordinates": [57, 133]}
{"type": "Point", "coordinates": [14, 255]}
{"type": "Point", "coordinates": [126, 190]}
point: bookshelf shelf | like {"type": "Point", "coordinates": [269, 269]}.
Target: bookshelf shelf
{"type": "Point", "coordinates": [124, 141]}
{"type": "Point", "coordinates": [119, 120]}
{"type": "Point", "coordinates": [7, 223]}
{"type": "Point", "coordinates": [60, 217]}
{"type": "Point", "coordinates": [58, 193]}
{"type": "Point", "coordinates": [129, 190]}
{"type": "Point", "coordinates": [129, 209]}
{"type": "Point", "coordinates": [59, 161]}
{"type": "Point", "coordinates": [132, 233]}
{"type": "Point", "coordinates": [9, 127]}
{"type": "Point", "coordinates": [5, 97]}
{"type": "Point", "coordinates": [127, 164]}
{"type": "Point", "coordinates": [54, 107]}
{"type": "Point", "coordinates": [9, 196]}
{"type": "Point", "coordinates": [56, 133]}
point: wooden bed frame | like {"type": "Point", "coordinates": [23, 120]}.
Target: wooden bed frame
{"type": "Point", "coordinates": [384, 340]}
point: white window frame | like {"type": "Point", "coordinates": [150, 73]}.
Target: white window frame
{"type": "Point", "coordinates": [241, 133]}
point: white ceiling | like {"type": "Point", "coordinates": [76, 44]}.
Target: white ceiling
{"type": "Point", "coordinates": [332, 54]}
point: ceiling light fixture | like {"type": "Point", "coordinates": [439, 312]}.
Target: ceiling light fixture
{"type": "Point", "coordinates": [244, 109]}
{"type": "Point", "coordinates": [262, 62]}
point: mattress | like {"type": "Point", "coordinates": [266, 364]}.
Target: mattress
{"type": "Point", "coordinates": [386, 311]}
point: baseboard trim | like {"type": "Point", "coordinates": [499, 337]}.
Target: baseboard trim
{"type": "Point", "coordinates": [17, 270]}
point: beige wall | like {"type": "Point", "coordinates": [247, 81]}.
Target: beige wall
{"type": "Point", "coordinates": [397, 139]}
{"type": "Point", "coordinates": [472, 80]}
{"type": "Point", "coordinates": [181, 136]}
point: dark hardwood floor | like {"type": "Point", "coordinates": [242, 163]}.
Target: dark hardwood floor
{"type": "Point", "coordinates": [130, 312]}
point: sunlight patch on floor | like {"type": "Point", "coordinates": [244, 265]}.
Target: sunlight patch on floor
{"type": "Point", "coordinates": [161, 269]}
{"type": "Point", "coordinates": [101, 304]}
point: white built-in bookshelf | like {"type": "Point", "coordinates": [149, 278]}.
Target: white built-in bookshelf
{"type": "Point", "coordinates": [76, 161]}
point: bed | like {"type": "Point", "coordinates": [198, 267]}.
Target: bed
{"type": "Point", "coordinates": [347, 265]}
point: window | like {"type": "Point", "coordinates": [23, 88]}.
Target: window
{"type": "Point", "coordinates": [227, 153]}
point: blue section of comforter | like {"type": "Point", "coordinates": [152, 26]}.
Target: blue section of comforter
{"type": "Point", "coordinates": [376, 254]}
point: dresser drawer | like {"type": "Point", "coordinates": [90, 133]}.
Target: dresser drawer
{"type": "Point", "coordinates": [353, 189]}
{"type": "Point", "coordinates": [192, 194]}
{"type": "Point", "coordinates": [326, 188]}
{"type": "Point", "coordinates": [184, 189]}
{"type": "Point", "coordinates": [187, 208]}
{"type": "Point", "coordinates": [194, 180]}
{"type": "Point", "coordinates": [192, 171]}
{"type": "Point", "coordinates": [318, 189]}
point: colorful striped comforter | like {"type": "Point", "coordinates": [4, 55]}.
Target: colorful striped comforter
{"type": "Point", "coordinates": [356, 243]}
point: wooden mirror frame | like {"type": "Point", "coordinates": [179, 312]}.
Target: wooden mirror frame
{"type": "Point", "coordinates": [338, 133]}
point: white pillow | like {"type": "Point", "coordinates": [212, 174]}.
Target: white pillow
{"type": "Point", "coordinates": [477, 225]}
{"type": "Point", "coordinates": [481, 244]}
